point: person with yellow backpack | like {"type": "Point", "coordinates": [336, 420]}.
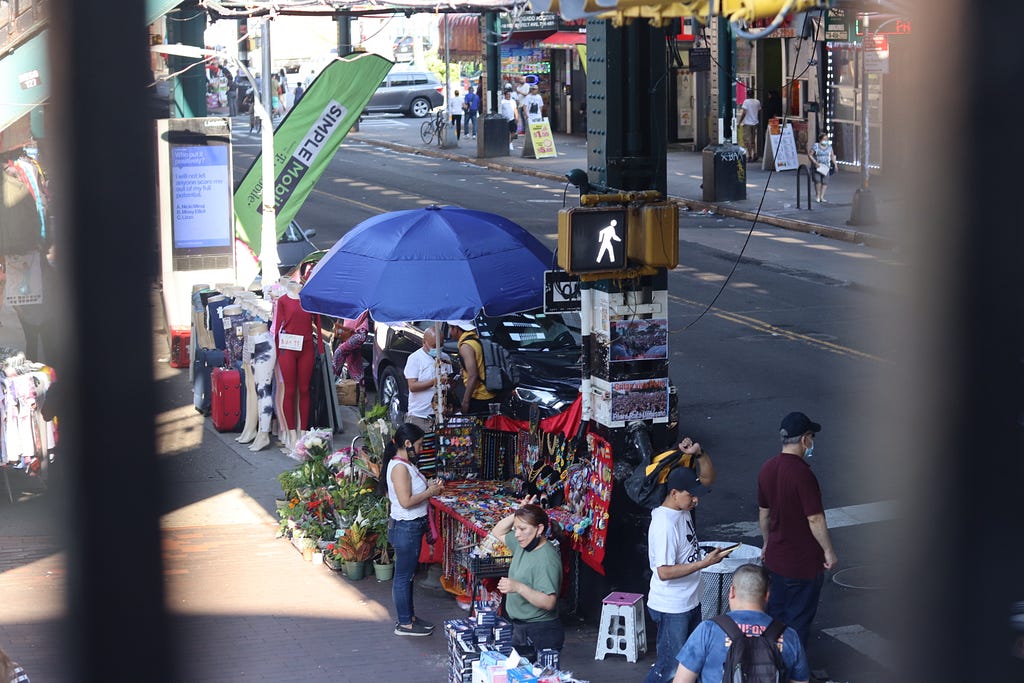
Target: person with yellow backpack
{"type": "Point", "coordinates": [476, 396]}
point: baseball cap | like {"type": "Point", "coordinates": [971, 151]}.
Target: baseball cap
{"type": "Point", "coordinates": [463, 324]}
{"type": "Point", "coordinates": [797, 424]}
{"type": "Point", "coordinates": [685, 479]}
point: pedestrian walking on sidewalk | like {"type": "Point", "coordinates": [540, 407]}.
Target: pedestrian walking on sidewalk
{"type": "Point", "coordinates": [507, 108]}
{"type": "Point", "coordinates": [410, 494]}
{"type": "Point", "coordinates": [750, 122]}
{"type": "Point", "coordinates": [455, 106]}
{"type": "Point", "coordinates": [823, 160]}
{"type": "Point", "coordinates": [797, 549]}
{"type": "Point", "coordinates": [472, 111]}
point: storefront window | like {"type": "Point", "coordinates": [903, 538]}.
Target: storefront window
{"type": "Point", "coordinates": [844, 106]}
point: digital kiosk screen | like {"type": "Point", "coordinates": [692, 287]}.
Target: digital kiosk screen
{"type": "Point", "coordinates": [201, 197]}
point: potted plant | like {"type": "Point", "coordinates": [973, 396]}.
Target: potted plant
{"type": "Point", "coordinates": [356, 545]}
{"type": "Point", "coordinates": [377, 517]}
{"type": "Point", "coordinates": [383, 565]}
{"type": "Point", "coordinates": [332, 557]}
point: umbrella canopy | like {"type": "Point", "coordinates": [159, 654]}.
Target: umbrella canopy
{"type": "Point", "coordinates": [437, 263]}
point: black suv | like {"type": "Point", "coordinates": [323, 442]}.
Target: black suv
{"type": "Point", "coordinates": [545, 347]}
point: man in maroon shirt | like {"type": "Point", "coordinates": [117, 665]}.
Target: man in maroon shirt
{"type": "Point", "coordinates": [797, 549]}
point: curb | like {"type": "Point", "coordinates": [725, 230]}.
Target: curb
{"type": "Point", "coordinates": [829, 231]}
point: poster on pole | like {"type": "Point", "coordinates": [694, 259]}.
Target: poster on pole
{"type": "Point", "coordinates": [780, 147]}
{"type": "Point", "coordinates": [305, 141]}
{"type": "Point", "coordinates": [542, 142]}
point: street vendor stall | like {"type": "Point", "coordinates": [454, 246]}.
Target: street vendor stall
{"type": "Point", "coordinates": [579, 482]}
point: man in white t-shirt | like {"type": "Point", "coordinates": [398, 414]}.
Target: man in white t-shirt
{"type": "Point", "coordinates": [533, 106]}
{"type": "Point", "coordinates": [522, 90]}
{"type": "Point", "coordinates": [420, 371]}
{"type": "Point", "coordinates": [675, 558]}
{"type": "Point", "coordinates": [750, 121]}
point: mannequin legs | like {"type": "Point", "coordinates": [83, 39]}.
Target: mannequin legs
{"type": "Point", "coordinates": [251, 403]}
{"type": "Point", "coordinates": [296, 373]}
{"type": "Point", "coordinates": [263, 375]}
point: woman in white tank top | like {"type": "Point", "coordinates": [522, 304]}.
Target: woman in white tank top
{"type": "Point", "coordinates": [409, 493]}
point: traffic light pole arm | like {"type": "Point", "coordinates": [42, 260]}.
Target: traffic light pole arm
{"type": "Point", "coordinates": [619, 197]}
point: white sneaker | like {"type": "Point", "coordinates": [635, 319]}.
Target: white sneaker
{"type": "Point", "coordinates": [510, 147]}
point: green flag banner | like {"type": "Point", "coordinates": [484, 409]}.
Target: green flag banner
{"type": "Point", "coordinates": [306, 140]}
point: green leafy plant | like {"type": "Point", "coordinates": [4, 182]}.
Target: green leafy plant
{"type": "Point", "coordinates": [356, 543]}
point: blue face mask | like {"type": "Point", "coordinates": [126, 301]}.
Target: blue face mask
{"type": "Point", "coordinates": [432, 353]}
{"type": "Point", "coordinates": [810, 451]}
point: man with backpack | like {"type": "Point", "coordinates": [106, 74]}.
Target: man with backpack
{"type": "Point", "coordinates": [676, 561]}
{"type": "Point", "coordinates": [744, 645]}
{"type": "Point", "coordinates": [476, 396]}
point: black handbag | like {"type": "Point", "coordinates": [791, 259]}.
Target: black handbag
{"type": "Point", "coordinates": [831, 168]}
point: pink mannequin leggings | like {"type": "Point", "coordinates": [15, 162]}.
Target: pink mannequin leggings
{"type": "Point", "coordinates": [296, 372]}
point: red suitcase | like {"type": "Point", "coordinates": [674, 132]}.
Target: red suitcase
{"type": "Point", "coordinates": [180, 337]}
{"type": "Point", "coordinates": [226, 399]}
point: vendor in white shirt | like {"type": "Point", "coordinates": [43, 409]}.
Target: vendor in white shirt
{"type": "Point", "coordinates": [420, 372]}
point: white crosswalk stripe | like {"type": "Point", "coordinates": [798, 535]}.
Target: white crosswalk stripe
{"type": "Point", "coordinates": [850, 515]}
{"type": "Point", "coordinates": [866, 642]}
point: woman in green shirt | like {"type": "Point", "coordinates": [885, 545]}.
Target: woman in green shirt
{"type": "Point", "coordinates": [534, 579]}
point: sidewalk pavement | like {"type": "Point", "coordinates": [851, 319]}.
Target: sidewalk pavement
{"type": "Point", "coordinates": [684, 170]}
{"type": "Point", "coordinates": [243, 605]}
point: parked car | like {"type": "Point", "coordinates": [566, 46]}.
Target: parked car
{"type": "Point", "coordinates": [294, 245]}
{"type": "Point", "coordinates": [413, 93]}
{"type": "Point", "coordinates": [545, 347]}
{"type": "Point", "coordinates": [403, 47]}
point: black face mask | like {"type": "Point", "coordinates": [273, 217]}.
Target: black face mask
{"type": "Point", "coordinates": [529, 547]}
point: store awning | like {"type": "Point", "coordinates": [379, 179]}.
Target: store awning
{"type": "Point", "coordinates": [564, 39]}
{"type": "Point", "coordinates": [464, 30]}
{"type": "Point", "coordinates": [25, 76]}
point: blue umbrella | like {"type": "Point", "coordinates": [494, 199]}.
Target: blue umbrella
{"type": "Point", "coordinates": [437, 263]}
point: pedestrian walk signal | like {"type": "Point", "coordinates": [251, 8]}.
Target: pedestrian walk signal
{"type": "Point", "coordinates": [592, 240]}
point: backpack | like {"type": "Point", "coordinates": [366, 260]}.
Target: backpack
{"type": "Point", "coordinates": [646, 485]}
{"type": "Point", "coordinates": [752, 659]}
{"type": "Point", "coordinates": [500, 373]}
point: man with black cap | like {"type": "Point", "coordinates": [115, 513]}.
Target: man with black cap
{"type": "Point", "coordinates": [676, 560]}
{"type": "Point", "coordinates": [797, 549]}
{"type": "Point", "coordinates": [476, 396]}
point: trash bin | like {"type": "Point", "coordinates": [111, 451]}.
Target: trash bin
{"type": "Point", "coordinates": [716, 579]}
{"type": "Point", "coordinates": [724, 173]}
{"type": "Point", "coordinates": [493, 138]}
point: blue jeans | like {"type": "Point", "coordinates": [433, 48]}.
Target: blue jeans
{"type": "Point", "coordinates": [794, 602]}
{"type": "Point", "coordinates": [471, 122]}
{"type": "Point", "coordinates": [406, 536]}
{"type": "Point", "coordinates": [673, 630]}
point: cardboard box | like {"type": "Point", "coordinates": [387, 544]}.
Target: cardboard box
{"type": "Point", "coordinates": [348, 392]}
{"type": "Point", "coordinates": [521, 675]}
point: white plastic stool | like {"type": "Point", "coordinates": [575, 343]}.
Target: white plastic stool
{"type": "Point", "coordinates": [623, 628]}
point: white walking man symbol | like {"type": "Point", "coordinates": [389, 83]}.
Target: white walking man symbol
{"type": "Point", "coordinates": [606, 236]}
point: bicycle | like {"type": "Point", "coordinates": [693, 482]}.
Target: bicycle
{"type": "Point", "coordinates": [432, 127]}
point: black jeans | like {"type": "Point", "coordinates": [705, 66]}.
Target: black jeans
{"type": "Point", "coordinates": [530, 636]}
